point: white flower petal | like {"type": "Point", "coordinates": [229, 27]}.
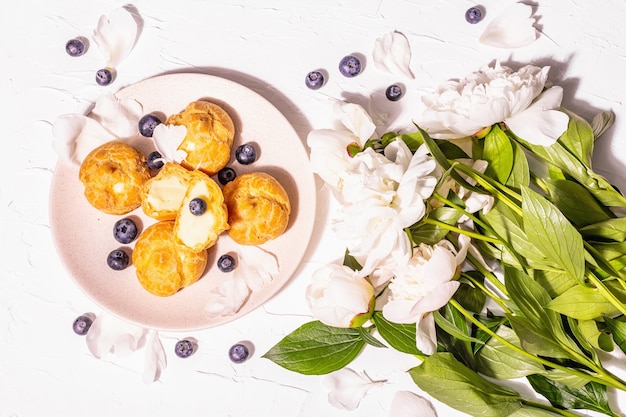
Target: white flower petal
{"type": "Point", "coordinates": [409, 404]}
{"type": "Point", "coordinates": [118, 115]}
{"type": "Point", "coordinates": [154, 360]}
{"type": "Point", "coordinates": [513, 28]}
{"type": "Point", "coordinates": [167, 139]}
{"type": "Point", "coordinates": [75, 135]}
{"type": "Point", "coordinates": [540, 124]}
{"type": "Point", "coordinates": [227, 297]}
{"type": "Point", "coordinates": [116, 35]}
{"type": "Point", "coordinates": [109, 334]}
{"type": "Point", "coordinates": [256, 266]}
{"type": "Point", "coordinates": [356, 120]}
{"type": "Point", "coordinates": [348, 388]}
{"type": "Point", "coordinates": [392, 53]}
{"type": "Point", "coordinates": [426, 335]}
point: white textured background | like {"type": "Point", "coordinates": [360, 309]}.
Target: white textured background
{"type": "Point", "coordinates": [268, 46]}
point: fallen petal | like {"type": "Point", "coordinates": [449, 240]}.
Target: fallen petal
{"type": "Point", "coordinates": [167, 139]}
{"type": "Point", "coordinates": [409, 404]}
{"type": "Point", "coordinates": [154, 360]}
{"type": "Point", "coordinates": [115, 36]}
{"type": "Point", "coordinates": [348, 388]}
{"type": "Point", "coordinates": [76, 135]}
{"type": "Point", "coordinates": [513, 28]}
{"type": "Point", "coordinates": [392, 53]}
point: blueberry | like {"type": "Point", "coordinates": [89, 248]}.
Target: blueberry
{"type": "Point", "coordinates": [226, 263]}
{"type": "Point", "coordinates": [238, 353]}
{"type": "Point", "coordinates": [314, 80]}
{"type": "Point", "coordinates": [75, 47]}
{"type": "Point", "coordinates": [226, 175]}
{"type": "Point", "coordinates": [474, 15]}
{"type": "Point", "coordinates": [245, 154]}
{"type": "Point", "coordinates": [350, 66]}
{"type": "Point", "coordinates": [104, 76]}
{"type": "Point", "coordinates": [155, 160]}
{"type": "Point", "coordinates": [393, 92]}
{"type": "Point", "coordinates": [118, 259]}
{"type": "Point", "coordinates": [197, 206]}
{"type": "Point", "coordinates": [125, 231]}
{"type": "Point", "coordinates": [147, 124]}
{"type": "Point", "coordinates": [82, 324]}
{"type": "Point", "coordinates": [184, 348]}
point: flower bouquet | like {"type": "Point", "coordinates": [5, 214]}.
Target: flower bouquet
{"type": "Point", "coordinates": [482, 242]}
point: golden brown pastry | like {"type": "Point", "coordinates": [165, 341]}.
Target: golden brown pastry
{"type": "Point", "coordinates": [113, 175]}
{"type": "Point", "coordinates": [210, 135]}
{"type": "Point", "coordinates": [258, 208]}
{"type": "Point", "coordinates": [203, 214]}
{"type": "Point", "coordinates": [163, 266]}
{"type": "Point", "coordinates": [162, 195]}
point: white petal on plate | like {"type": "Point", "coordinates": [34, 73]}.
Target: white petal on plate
{"type": "Point", "coordinates": [154, 360]}
{"type": "Point", "coordinates": [167, 139]}
{"type": "Point", "coordinates": [255, 266]}
{"type": "Point", "coordinates": [228, 296]}
{"type": "Point", "coordinates": [118, 115]}
{"type": "Point", "coordinates": [513, 28]}
{"type": "Point", "coordinates": [540, 123]}
{"type": "Point", "coordinates": [392, 53]}
{"type": "Point", "coordinates": [409, 404]}
{"type": "Point", "coordinates": [116, 35]}
{"type": "Point", "coordinates": [75, 135]}
{"type": "Point", "coordinates": [348, 388]}
{"type": "Point", "coordinates": [109, 334]}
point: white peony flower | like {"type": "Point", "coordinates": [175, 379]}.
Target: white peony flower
{"type": "Point", "coordinates": [492, 95]}
{"type": "Point", "coordinates": [348, 388]}
{"type": "Point", "coordinates": [339, 296]}
{"type": "Point", "coordinates": [329, 147]}
{"type": "Point", "coordinates": [425, 285]}
{"type": "Point", "coordinates": [409, 404]}
{"type": "Point", "coordinates": [116, 35]}
{"type": "Point", "coordinates": [392, 53]}
{"type": "Point", "coordinates": [381, 196]}
{"type": "Point", "coordinates": [112, 118]}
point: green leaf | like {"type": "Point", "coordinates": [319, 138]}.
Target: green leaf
{"type": "Point", "coordinates": [609, 229]}
{"type": "Point", "coordinates": [535, 340]}
{"type": "Point", "coordinates": [315, 349]}
{"type": "Point", "coordinates": [351, 262]}
{"type": "Point", "coordinates": [430, 234]}
{"type": "Point", "coordinates": [590, 332]}
{"type": "Point", "coordinates": [520, 174]}
{"type": "Point", "coordinates": [592, 396]}
{"type": "Point", "coordinates": [469, 296]}
{"type": "Point", "coordinates": [498, 152]}
{"type": "Point", "coordinates": [369, 339]}
{"type": "Point", "coordinates": [553, 234]}
{"type": "Point", "coordinates": [453, 330]}
{"type": "Point", "coordinates": [576, 203]}
{"type": "Point", "coordinates": [554, 282]}
{"type": "Point", "coordinates": [618, 330]}
{"type": "Point", "coordinates": [413, 140]}
{"type": "Point", "coordinates": [499, 361]}
{"type": "Point", "coordinates": [447, 380]}
{"type": "Point", "coordinates": [578, 138]}
{"type": "Point", "coordinates": [399, 336]}
{"type": "Point", "coordinates": [583, 303]}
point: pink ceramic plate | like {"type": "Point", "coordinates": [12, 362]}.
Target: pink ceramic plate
{"type": "Point", "coordinates": [84, 237]}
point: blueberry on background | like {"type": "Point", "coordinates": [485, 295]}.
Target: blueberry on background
{"type": "Point", "coordinates": [155, 160]}
{"type": "Point", "coordinates": [474, 15]}
{"type": "Point", "coordinates": [125, 230]}
{"type": "Point", "coordinates": [226, 175]}
{"type": "Point", "coordinates": [350, 66]}
{"type": "Point", "coordinates": [245, 154]}
{"type": "Point", "coordinates": [147, 124]}
{"type": "Point", "coordinates": [104, 76]}
{"type": "Point", "coordinates": [393, 92]}
{"type": "Point", "coordinates": [239, 352]}
{"type": "Point", "coordinates": [82, 324]}
{"type": "Point", "coordinates": [184, 348]}
{"type": "Point", "coordinates": [76, 47]}
{"type": "Point", "coordinates": [226, 263]}
{"type": "Point", "coordinates": [197, 206]}
{"type": "Point", "coordinates": [314, 80]}
{"type": "Point", "coordinates": [118, 259]}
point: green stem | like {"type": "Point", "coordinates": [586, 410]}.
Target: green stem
{"type": "Point", "coordinates": [488, 292]}
{"type": "Point", "coordinates": [605, 379]}
{"type": "Point", "coordinates": [455, 229]}
{"type": "Point", "coordinates": [549, 408]}
{"type": "Point", "coordinates": [599, 285]}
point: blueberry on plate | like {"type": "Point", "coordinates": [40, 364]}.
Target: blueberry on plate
{"type": "Point", "coordinates": [245, 154]}
{"type": "Point", "coordinates": [155, 160]}
{"type": "Point", "coordinates": [184, 348]}
{"type": "Point", "coordinates": [75, 47]}
{"type": "Point", "coordinates": [474, 15]}
{"type": "Point", "coordinates": [118, 260]}
{"type": "Point", "coordinates": [226, 263]}
{"type": "Point", "coordinates": [239, 353]}
{"type": "Point", "coordinates": [125, 231]}
{"type": "Point", "coordinates": [147, 124]}
{"type": "Point", "coordinates": [197, 206]}
{"type": "Point", "coordinates": [393, 92]}
{"type": "Point", "coordinates": [350, 66]}
{"type": "Point", "coordinates": [314, 80]}
{"type": "Point", "coordinates": [226, 175]}
{"type": "Point", "coordinates": [104, 76]}
{"type": "Point", "coordinates": [82, 324]}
